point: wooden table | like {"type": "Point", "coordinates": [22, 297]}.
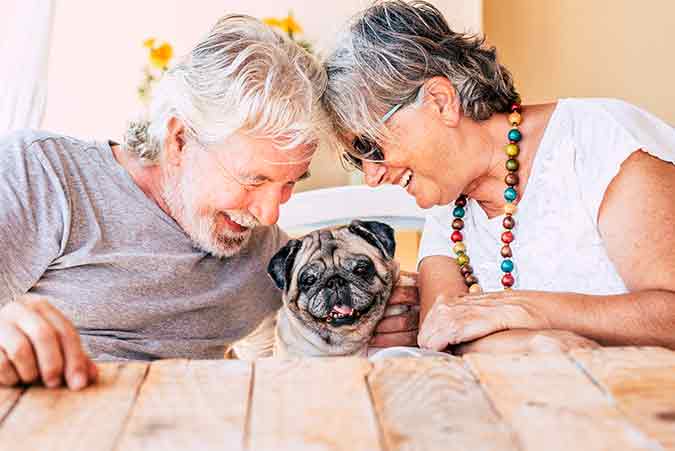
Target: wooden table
{"type": "Point", "coordinates": [605, 399]}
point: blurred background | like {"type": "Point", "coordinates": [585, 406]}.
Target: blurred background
{"type": "Point", "coordinates": [75, 66]}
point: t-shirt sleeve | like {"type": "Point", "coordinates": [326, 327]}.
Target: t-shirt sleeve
{"type": "Point", "coordinates": [32, 204]}
{"type": "Point", "coordinates": [436, 235]}
{"type": "Point", "coordinates": [606, 133]}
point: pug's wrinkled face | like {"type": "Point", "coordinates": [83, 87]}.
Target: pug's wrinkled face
{"type": "Point", "coordinates": [337, 281]}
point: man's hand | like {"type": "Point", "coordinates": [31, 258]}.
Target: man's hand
{"type": "Point", "coordinates": [38, 343]}
{"type": "Point", "coordinates": [400, 329]}
{"type": "Point", "coordinates": [461, 319]}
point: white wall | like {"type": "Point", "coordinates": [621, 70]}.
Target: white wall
{"type": "Point", "coordinates": [97, 55]}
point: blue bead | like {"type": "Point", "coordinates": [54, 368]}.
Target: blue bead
{"type": "Point", "coordinates": [514, 135]}
{"type": "Point", "coordinates": [510, 194]}
{"type": "Point", "coordinates": [507, 266]}
{"type": "Point", "coordinates": [458, 212]}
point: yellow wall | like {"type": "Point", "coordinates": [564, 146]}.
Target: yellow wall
{"type": "Point", "coordinates": [584, 48]}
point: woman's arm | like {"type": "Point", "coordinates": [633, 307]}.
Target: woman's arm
{"type": "Point", "coordinates": [439, 277]}
{"type": "Point", "coordinates": [637, 223]}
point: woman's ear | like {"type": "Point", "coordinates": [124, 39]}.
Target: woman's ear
{"type": "Point", "coordinates": [174, 142]}
{"type": "Point", "coordinates": [443, 97]}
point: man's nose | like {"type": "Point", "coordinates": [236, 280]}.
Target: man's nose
{"type": "Point", "coordinates": [266, 207]}
{"type": "Point", "coordinates": [374, 172]}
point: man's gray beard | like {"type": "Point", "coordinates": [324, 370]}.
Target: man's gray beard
{"type": "Point", "coordinates": [201, 227]}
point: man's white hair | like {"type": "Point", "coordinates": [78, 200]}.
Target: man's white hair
{"type": "Point", "coordinates": [243, 76]}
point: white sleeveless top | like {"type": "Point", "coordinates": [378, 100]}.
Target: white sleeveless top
{"type": "Point", "coordinates": [557, 244]}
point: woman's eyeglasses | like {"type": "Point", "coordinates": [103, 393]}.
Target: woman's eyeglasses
{"type": "Point", "coordinates": [367, 149]}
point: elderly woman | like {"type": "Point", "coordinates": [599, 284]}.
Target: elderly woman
{"type": "Point", "coordinates": [548, 217]}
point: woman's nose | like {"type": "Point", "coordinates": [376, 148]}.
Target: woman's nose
{"type": "Point", "coordinates": [374, 172]}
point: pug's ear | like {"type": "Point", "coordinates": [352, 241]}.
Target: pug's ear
{"type": "Point", "coordinates": [280, 267]}
{"type": "Point", "coordinates": [376, 233]}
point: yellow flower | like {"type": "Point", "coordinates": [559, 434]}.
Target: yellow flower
{"type": "Point", "coordinates": [149, 43]}
{"type": "Point", "coordinates": [160, 56]}
{"type": "Point", "coordinates": [287, 24]}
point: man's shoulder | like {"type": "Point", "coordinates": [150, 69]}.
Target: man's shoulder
{"type": "Point", "coordinates": [22, 143]}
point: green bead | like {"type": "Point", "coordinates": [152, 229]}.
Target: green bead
{"type": "Point", "coordinates": [510, 194]}
{"type": "Point", "coordinates": [507, 265]}
{"type": "Point", "coordinates": [514, 135]}
{"type": "Point", "coordinates": [458, 212]}
{"type": "Point", "coordinates": [511, 150]}
{"type": "Point", "coordinates": [462, 259]}
{"type": "Point", "coordinates": [512, 164]}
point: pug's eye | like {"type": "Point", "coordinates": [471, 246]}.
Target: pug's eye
{"type": "Point", "coordinates": [308, 280]}
{"type": "Point", "coordinates": [363, 268]}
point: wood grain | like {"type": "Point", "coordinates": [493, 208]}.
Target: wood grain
{"type": "Point", "coordinates": [190, 405]}
{"type": "Point", "coordinates": [434, 404]}
{"type": "Point", "coordinates": [553, 405]}
{"type": "Point", "coordinates": [642, 383]}
{"type": "Point", "coordinates": [312, 404]}
{"type": "Point", "coordinates": [59, 419]}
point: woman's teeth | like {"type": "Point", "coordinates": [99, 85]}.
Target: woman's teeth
{"type": "Point", "coordinates": [405, 178]}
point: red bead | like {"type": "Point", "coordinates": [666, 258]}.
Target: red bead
{"type": "Point", "coordinates": [508, 280]}
{"type": "Point", "coordinates": [458, 224]}
{"type": "Point", "coordinates": [456, 236]}
{"type": "Point", "coordinates": [461, 201]}
{"type": "Point", "coordinates": [506, 251]}
{"type": "Point", "coordinates": [466, 270]}
{"type": "Point", "coordinates": [509, 222]}
{"type": "Point", "coordinates": [515, 107]}
{"type": "Point", "coordinates": [507, 237]}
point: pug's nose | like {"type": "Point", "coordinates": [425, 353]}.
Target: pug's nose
{"type": "Point", "coordinates": [336, 282]}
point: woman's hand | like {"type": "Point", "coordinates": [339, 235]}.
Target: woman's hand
{"type": "Point", "coordinates": [526, 341]}
{"type": "Point", "coordinates": [456, 320]}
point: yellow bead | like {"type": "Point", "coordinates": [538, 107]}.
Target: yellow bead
{"type": "Point", "coordinates": [515, 118]}
{"type": "Point", "coordinates": [459, 247]}
{"type": "Point", "coordinates": [462, 260]}
{"type": "Point", "coordinates": [475, 289]}
{"type": "Point", "coordinates": [510, 208]}
{"type": "Point", "coordinates": [511, 150]}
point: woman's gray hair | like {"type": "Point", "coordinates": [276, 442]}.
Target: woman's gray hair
{"type": "Point", "coordinates": [391, 49]}
{"type": "Point", "coordinates": [243, 76]}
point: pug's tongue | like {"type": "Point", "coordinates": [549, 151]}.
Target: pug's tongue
{"type": "Point", "coordinates": [343, 309]}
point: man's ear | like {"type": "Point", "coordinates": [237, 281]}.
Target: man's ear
{"type": "Point", "coordinates": [376, 233]}
{"type": "Point", "coordinates": [445, 100]}
{"type": "Point", "coordinates": [280, 267]}
{"type": "Point", "coordinates": [174, 141]}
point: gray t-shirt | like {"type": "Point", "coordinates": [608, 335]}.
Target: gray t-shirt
{"type": "Point", "coordinates": [74, 226]}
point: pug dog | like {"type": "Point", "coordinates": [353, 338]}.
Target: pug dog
{"type": "Point", "coordinates": [336, 283]}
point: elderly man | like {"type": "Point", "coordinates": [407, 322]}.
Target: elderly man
{"type": "Point", "coordinates": [158, 248]}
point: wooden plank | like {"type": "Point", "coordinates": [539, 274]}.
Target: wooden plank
{"type": "Point", "coordinates": [190, 405]}
{"type": "Point", "coordinates": [59, 419]}
{"type": "Point", "coordinates": [553, 405]}
{"type": "Point", "coordinates": [434, 404]}
{"type": "Point", "coordinates": [641, 381]}
{"type": "Point", "coordinates": [8, 399]}
{"type": "Point", "coordinates": [312, 404]}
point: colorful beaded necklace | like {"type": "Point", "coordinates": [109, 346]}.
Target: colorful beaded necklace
{"type": "Point", "coordinates": [510, 195]}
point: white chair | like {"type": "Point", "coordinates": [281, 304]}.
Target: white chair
{"type": "Point", "coordinates": [320, 208]}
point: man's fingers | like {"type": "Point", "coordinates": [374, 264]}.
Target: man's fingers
{"type": "Point", "coordinates": [394, 339]}
{"type": "Point", "coordinates": [399, 323]}
{"type": "Point", "coordinates": [93, 372]}
{"type": "Point", "coordinates": [404, 295]}
{"type": "Point", "coordinates": [76, 366]}
{"type": "Point", "coordinates": [19, 351]}
{"type": "Point", "coordinates": [44, 340]}
{"type": "Point", "coordinates": [8, 375]}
